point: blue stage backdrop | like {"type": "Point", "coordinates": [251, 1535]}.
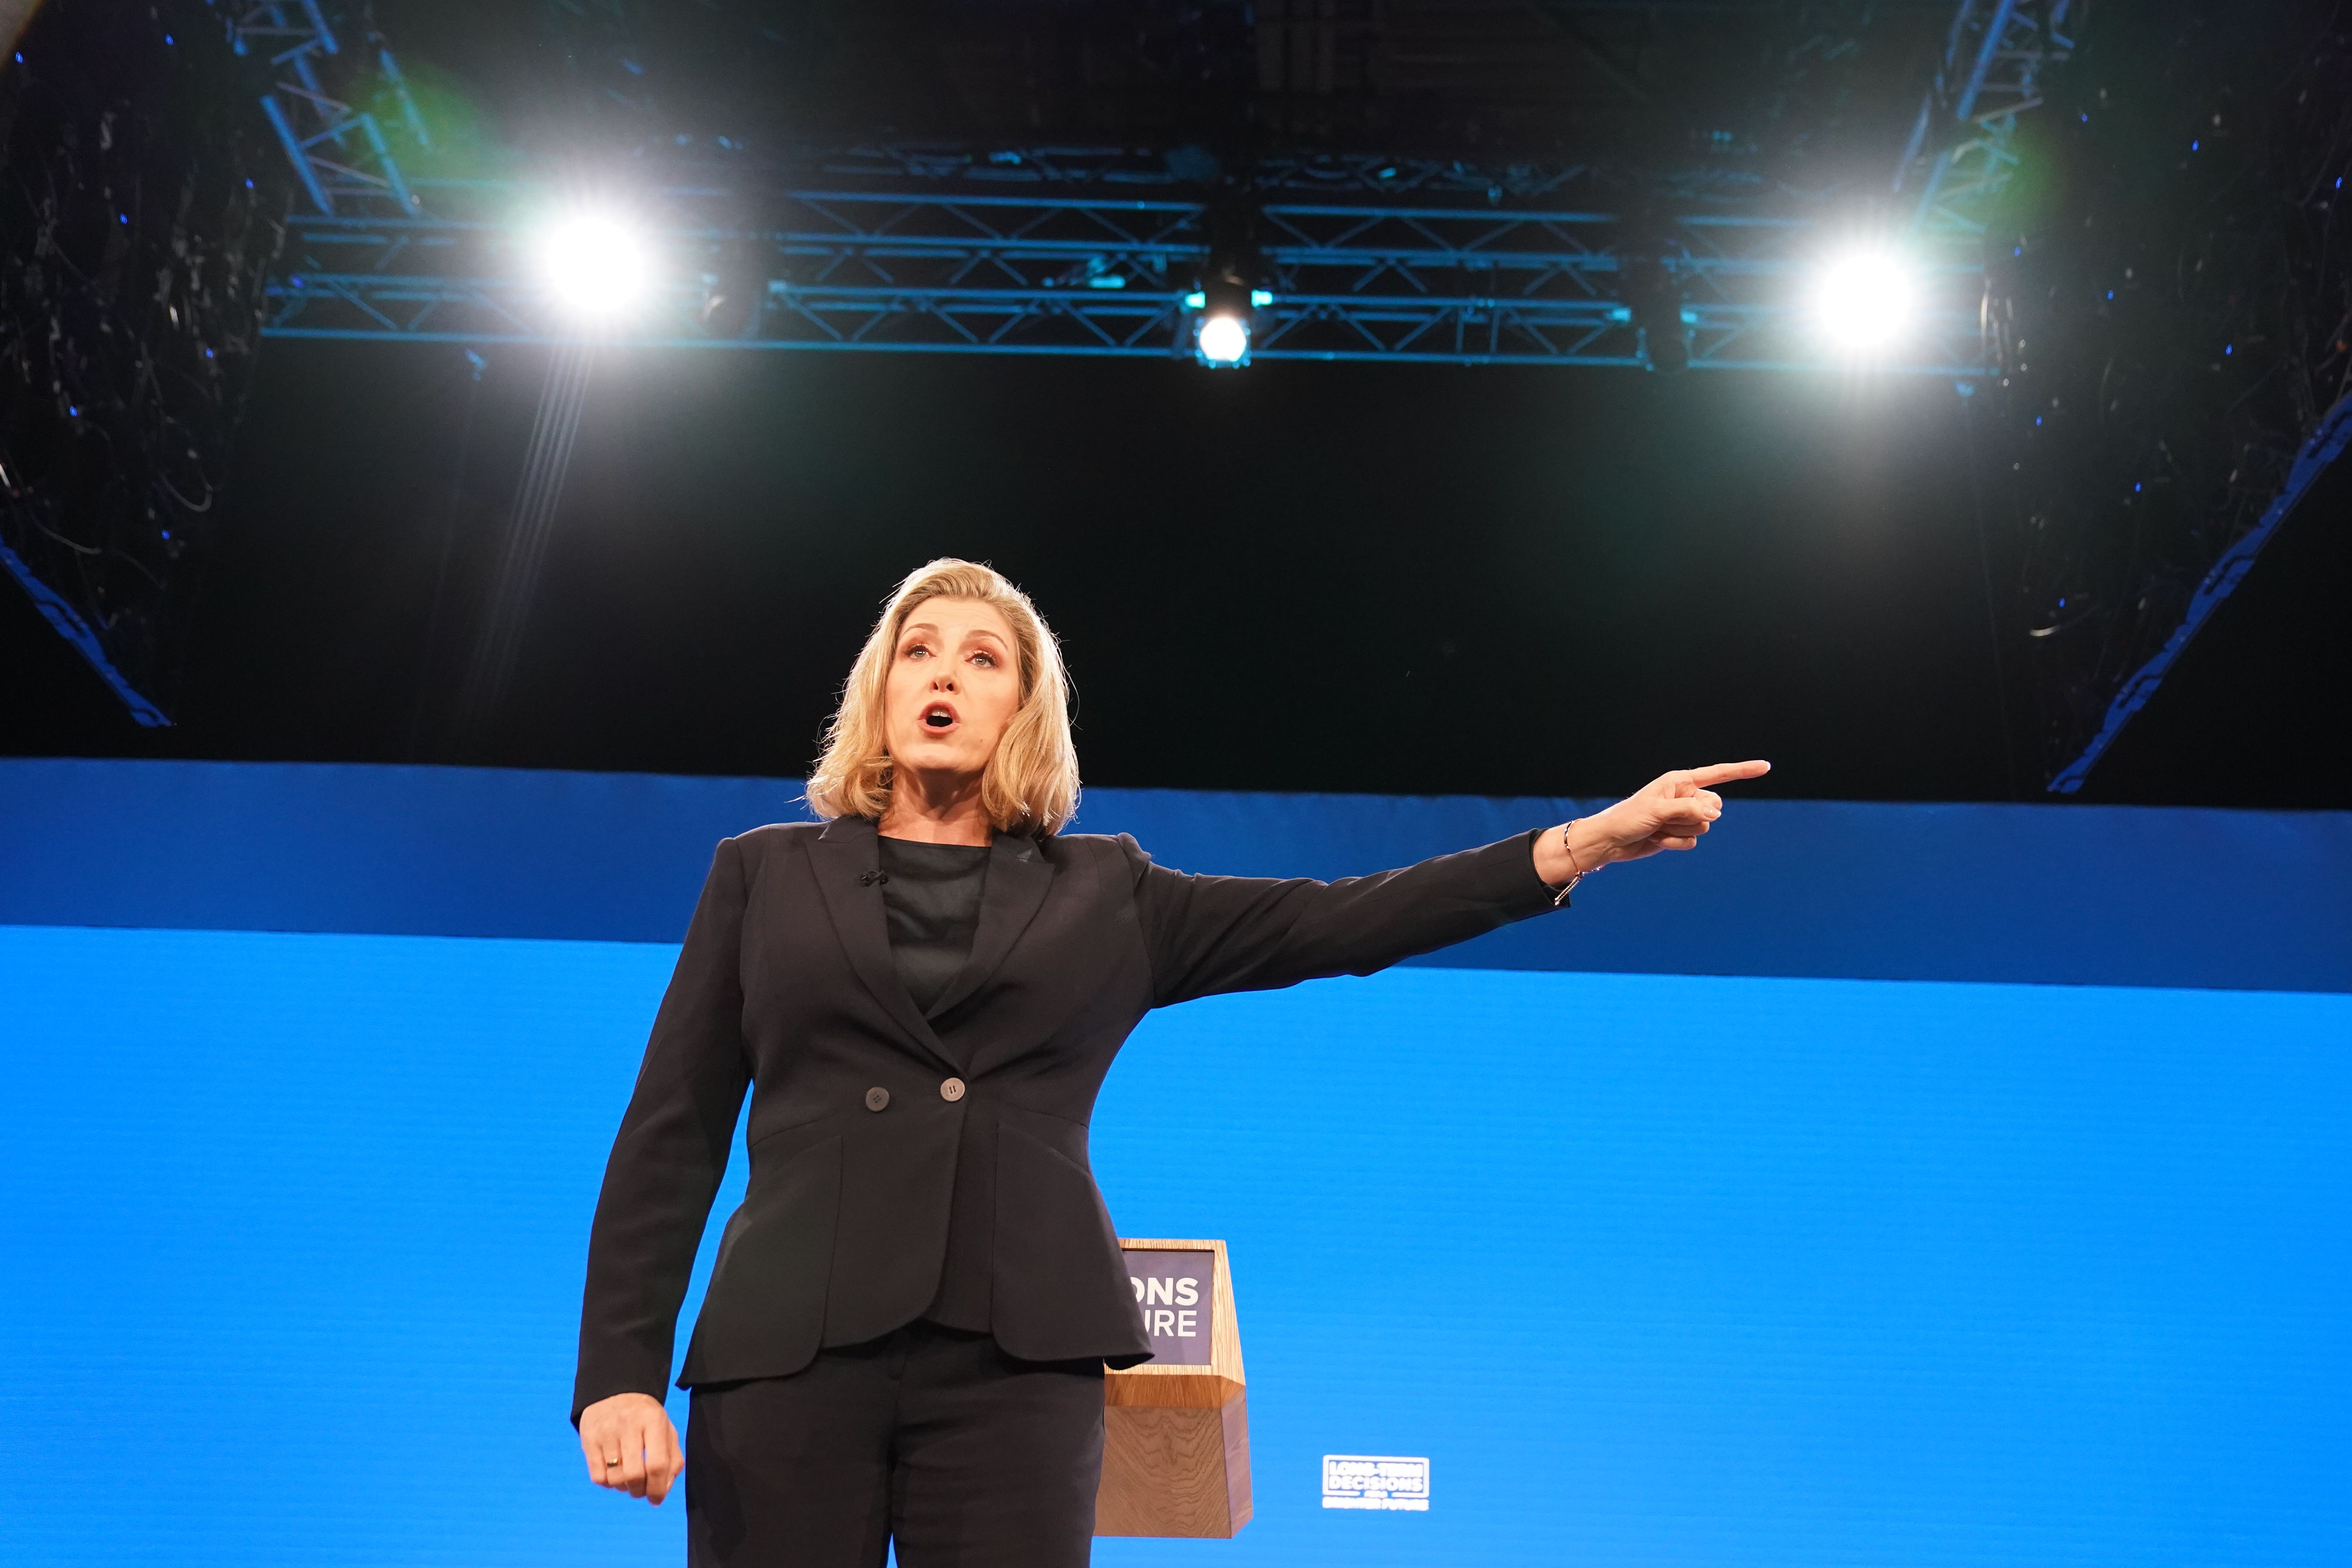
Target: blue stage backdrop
{"type": "Point", "coordinates": [1859, 1249]}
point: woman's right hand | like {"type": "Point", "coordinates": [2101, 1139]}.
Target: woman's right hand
{"type": "Point", "coordinates": [631, 1447]}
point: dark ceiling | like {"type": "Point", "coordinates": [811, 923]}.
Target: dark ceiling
{"type": "Point", "coordinates": [1295, 577]}
{"type": "Point", "coordinates": [1784, 81]}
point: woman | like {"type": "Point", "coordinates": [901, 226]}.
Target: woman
{"type": "Point", "coordinates": [905, 1329]}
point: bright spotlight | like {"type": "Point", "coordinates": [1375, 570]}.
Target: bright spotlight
{"type": "Point", "coordinates": [1865, 301]}
{"type": "Point", "coordinates": [595, 265]}
{"type": "Point", "coordinates": [1223, 340]}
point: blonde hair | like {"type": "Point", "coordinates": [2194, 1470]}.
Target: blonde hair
{"type": "Point", "coordinates": [1031, 782]}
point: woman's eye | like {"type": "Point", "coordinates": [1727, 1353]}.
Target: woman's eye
{"type": "Point", "coordinates": [987, 660]}
{"type": "Point", "coordinates": [915, 650]}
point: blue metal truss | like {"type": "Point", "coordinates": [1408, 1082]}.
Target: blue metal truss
{"type": "Point", "coordinates": [339, 151]}
{"type": "Point", "coordinates": [69, 624]}
{"type": "Point", "coordinates": [1962, 152]}
{"type": "Point", "coordinates": [1098, 250]}
{"type": "Point", "coordinates": [947, 260]}
{"type": "Point", "coordinates": [2326, 444]}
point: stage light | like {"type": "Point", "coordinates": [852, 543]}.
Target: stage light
{"type": "Point", "coordinates": [1864, 302]}
{"type": "Point", "coordinates": [1223, 340]}
{"type": "Point", "coordinates": [1227, 304]}
{"type": "Point", "coordinates": [1662, 323]}
{"type": "Point", "coordinates": [737, 289]}
{"type": "Point", "coordinates": [595, 265]}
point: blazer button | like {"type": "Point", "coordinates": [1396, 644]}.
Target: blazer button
{"type": "Point", "coordinates": [877, 1099]}
{"type": "Point", "coordinates": [953, 1090]}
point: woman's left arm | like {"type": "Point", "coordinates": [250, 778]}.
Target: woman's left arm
{"type": "Point", "coordinates": [1212, 934]}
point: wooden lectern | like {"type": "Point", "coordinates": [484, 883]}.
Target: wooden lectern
{"type": "Point", "coordinates": [1176, 1429]}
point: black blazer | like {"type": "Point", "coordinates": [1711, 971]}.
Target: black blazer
{"type": "Point", "coordinates": [786, 986]}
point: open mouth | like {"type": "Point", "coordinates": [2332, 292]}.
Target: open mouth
{"type": "Point", "coordinates": [939, 716]}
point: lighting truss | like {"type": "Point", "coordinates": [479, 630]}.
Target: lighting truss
{"type": "Point", "coordinates": [338, 151]}
{"type": "Point", "coordinates": [890, 165]}
{"type": "Point", "coordinates": [949, 260]}
{"type": "Point", "coordinates": [1962, 151]}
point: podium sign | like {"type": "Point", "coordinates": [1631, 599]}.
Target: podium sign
{"type": "Point", "coordinates": [1177, 1291]}
{"type": "Point", "coordinates": [1176, 1429]}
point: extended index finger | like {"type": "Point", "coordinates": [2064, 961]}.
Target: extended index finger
{"type": "Point", "coordinates": [1725, 772]}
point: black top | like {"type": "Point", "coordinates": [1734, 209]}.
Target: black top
{"type": "Point", "coordinates": [930, 893]}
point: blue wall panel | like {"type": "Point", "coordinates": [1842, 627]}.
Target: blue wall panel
{"type": "Point", "coordinates": [1655, 1269]}
{"type": "Point", "coordinates": [2089, 895]}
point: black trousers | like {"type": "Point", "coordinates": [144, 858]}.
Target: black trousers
{"type": "Point", "coordinates": [931, 1437]}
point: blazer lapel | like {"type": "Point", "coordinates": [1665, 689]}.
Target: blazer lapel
{"type": "Point", "coordinates": [848, 862]}
{"type": "Point", "coordinates": [1018, 878]}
